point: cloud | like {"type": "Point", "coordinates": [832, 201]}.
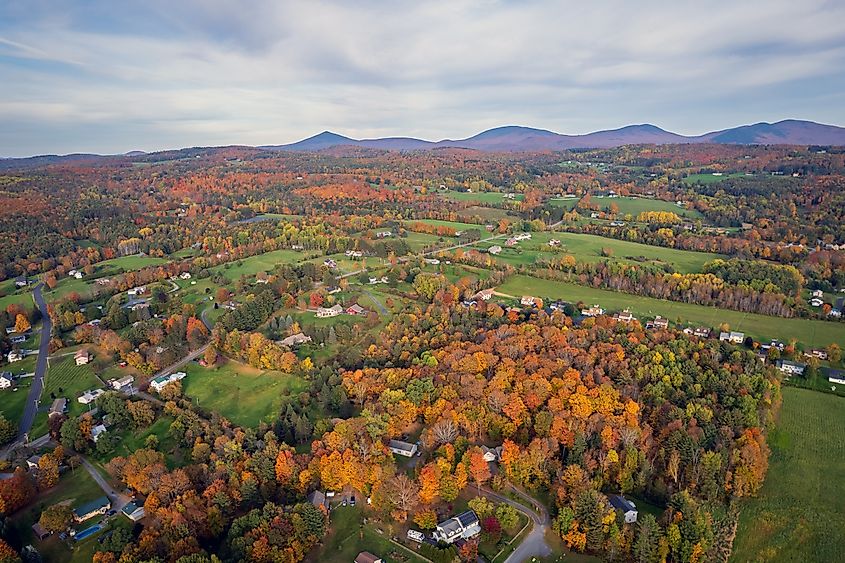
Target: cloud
{"type": "Point", "coordinates": [108, 77]}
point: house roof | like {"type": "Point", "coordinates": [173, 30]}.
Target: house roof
{"type": "Point", "coordinates": [131, 506]}
{"type": "Point", "coordinates": [367, 557]}
{"type": "Point", "coordinates": [621, 503]}
{"type": "Point", "coordinates": [92, 506]}
{"type": "Point", "coordinates": [317, 498]}
{"type": "Point", "coordinates": [400, 445]}
{"type": "Point", "coordinates": [468, 518]}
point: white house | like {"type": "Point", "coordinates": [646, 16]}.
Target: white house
{"type": "Point", "coordinates": [528, 301]}
{"type": "Point", "coordinates": [140, 290]}
{"type": "Point", "coordinates": [82, 357]}
{"type": "Point", "coordinates": [90, 396]}
{"type": "Point", "coordinates": [816, 302]}
{"type": "Point", "coordinates": [791, 368]}
{"type": "Point", "coordinates": [625, 506]}
{"type": "Point", "coordinates": [118, 384]}
{"type": "Point", "coordinates": [133, 510]}
{"type": "Point", "coordinates": [818, 293]}
{"type": "Point", "coordinates": [462, 526]}
{"type": "Point", "coordinates": [185, 275]}
{"type": "Point", "coordinates": [593, 311]}
{"type": "Point", "coordinates": [323, 312]}
{"type": "Point", "coordinates": [329, 263]}
{"type": "Point", "coordinates": [6, 380]}
{"type": "Point", "coordinates": [625, 316]}
{"type": "Point", "coordinates": [836, 376]}
{"type": "Point", "coordinates": [78, 275]}
{"type": "Point", "coordinates": [495, 250]}
{"type": "Point", "coordinates": [98, 431]}
{"type": "Point", "coordinates": [732, 337]}
{"type": "Point", "coordinates": [161, 382]}
{"type": "Point", "coordinates": [402, 448]}
{"type": "Point", "coordinates": [295, 340]}
{"type": "Point", "coordinates": [14, 356]}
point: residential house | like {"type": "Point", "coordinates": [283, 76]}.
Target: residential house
{"type": "Point", "coordinates": [135, 291]}
{"type": "Point", "coordinates": [702, 332]}
{"type": "Point", "coordinates": [491, 454]}
{"type": "Point", "coordinates": [462, 526]}
{"type": "Point", "coordinates": [836, 376]}
{"type": "Point", "coordinates": [354, 254]}
{"type": "Point", "coordinates": [329, 263]}
{"type": "Point", "coordinates": [356, 310]}
{"type": "Point", "coordinates": [323, 312]}
{"type": "Point", "coordinates": [331, 290]}
{"type": "Point", "coordinates": [59, 407]}
{"type": "Point", "coordinates": [732, 337]}
{"type": "Point", "coordinates": [163, 381]}
{"type": "Point", "coordinates": [295, 340]}
{"type": "Point", "coordinates": [593, 311]}
{"type": "Point", "coordinates": [659, 323]}
{"type": "Point", "coordinates": [122, 383]}
{"type": "Point", "coordinates": [32, 461]}
{"type": "Point", "coordinates": [511, 242]}
{"type": "Point", "coordinates": [10, 330]}
{"type": "Point", "coordinates": [82, 357]}
{"type": "Point", "coordinates": [318, 499]}
{"type": "Point", "coordinates": [14, 356]}
{"type": "Point", "coordinates": [818, 354]}
{"type": "Point", "coordinates": [554, 242]}
{"type": "Point", "coordinates": [625, 506]}
{"type": "Point", "coordinates": [90, 396]}
{"type": "Point", "coordinates": [617, 223]}
{"type": "Point", "coordinates": [78, 275]}
{"type": "Point", "coordinates": [185, 276]}
{"type": "Point", "coordinates": [402, 448]}
{"type": "Point", "coordinates": [816, 302]}
{"type": "Point", "coordinates": [103, 281]}
{"type": "Point", "coordinates": [39, 532]}
{"type": "Point", "coordinates": [528, 301]}
{"type": "Point", "coordinates": [818, 294]}
{"type": "Point", "coordinates": [133, 510]}
{"type": "Point", "coordinates": [495, 250]}
{"type": "Point", "coordinates": [624, 317]}
{"type": "Point", "coordinates": [18, 339]}
{"type": "Point", "coordinates": [523, 236]}
{"type": "Point", "coordinates": [6, 380]}
{"type": "Point", "coordinates": [484, 295]}
{"type": "Point", "coordinates": [791, 368]}
{"type": "Point", "coordinates": [367, 557]}
{"type": "Point", "coordinates": [88, 510]}
{"type": "Point", "coordinates": [384, 234]}
{"type": "Point", "coordinates": [21, 281]}
{"type": "Point", "coordinates": [98, 431]}
{"type": "Point", "coordinates": [432, 261]}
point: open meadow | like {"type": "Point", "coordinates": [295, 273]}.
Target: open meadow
{"type": "Point", "coordinates": [799, 514]}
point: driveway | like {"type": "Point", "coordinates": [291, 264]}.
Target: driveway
{"type": "Point", "coordinates": [118, 500]}
{"type": "Point", "coordinates": [534, 544]}
{"type": "Point", "coordinates": [31, 407]}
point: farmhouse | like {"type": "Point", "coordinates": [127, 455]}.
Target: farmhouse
{"type": "Point", "coordinates": [495, 250]}
{"type": "Point", "coordinates": [402, 448]}
{"type": "Point", "coordinates": [323, 313]}
{"type": "Point", "coordinates": [659, 323]}
{"type": "Point", "coordinates": [462, 526]}
{"type": "Point", "coordinates": [295, 340]}
{"type": "Point", "coordinates": [528, 301]}
{"type": "Point", "coordinates": [133, 510]}
{"type": "Point", "coordinates": [624, 317]}
{"type": "Point", "coordinates": [625, 506]}
{"type": "Point", "coordinates": [82, 357]}
{"type": "Point", "coordinates": [90, 509]}
{"type": "Point", "coordinates": [791, 368]}
{"type": "Point", "coordinates": [484, 295]}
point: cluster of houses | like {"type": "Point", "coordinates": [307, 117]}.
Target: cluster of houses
{"type": "Point", "coordinates": [384, 234]}
{"type": "Point", "coordinates": [836, 310]}
{"type": "Point", "coordinates": [75, 274]}
{"type": "Point", "coordinates": [133, 510]}
{"type": "Point", "coordinates": [375, 281]}
{"type": "Point", "coordinates": [516, 239]}
{"type": "Point", "coordinates": [335, 310]}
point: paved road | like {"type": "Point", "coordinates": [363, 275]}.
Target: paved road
{"type": "Point", "coordinates": [534, 544]}
{"type": "Point", "coordinates": [31, 407]}
{"type": "Point", "coordinates": [376, 301]}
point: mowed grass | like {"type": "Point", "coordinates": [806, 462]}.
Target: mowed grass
{"type": "Point", "coordinates": [12, 402]}
{"type": "Point", "coordinates": [106, 268]}
{"type": "Point", "coordinates": [348, 536]}
{"type": "Point", "coordinates": [588, 248]}
{"type": "Point", "coordinates": [809, 332]}
{"type": "Point", "coordinates": [260, 263]}
{"type": "Point", "coordinates": [799, 514]}
{"type": "Point", "coordinates": [65, 379]}
{"type": "Point", "coordinates": [636, 205]}
{"type": "Point", "coordinates": [243, 394]}
{"type": "Point", "coordinates": [457, 225]}
{"type": "Point", "coordinates": [710, 178]}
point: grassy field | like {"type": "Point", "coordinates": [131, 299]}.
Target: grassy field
{"type": "Point", "coordinates": [12, 402]}
{"type": "Point", "coordinates": [243, 394]}
{"type": "Point", "coordinates": [132, 441]}
{"type": "Point", "coordinates": [588, 248]}
{"type": "Point", "coordinates": [710, 178]}
{"type": "Point", "coordinates": [481, 197]}
{"type": "Point", "coordinates": [799, 515]}
{"type": "Point", "coordinates": [348, 536]}
{"type": "Point", "coordinates": [629, 205]}
{"type": "Point", "coordinates": [809, 332]}
{"type": "Point", "coordinates": [260, 263]}
{"type": "Point", "coordinates": [457, 225]}
{"type": "Point", "coordinates": [23, 299]}
{"type": "Point", "coordinates": [418, 241]}
{"type": "Point", "coordinates": [65, 379]}
{"type": "Point", "coordinates": [103, 269]}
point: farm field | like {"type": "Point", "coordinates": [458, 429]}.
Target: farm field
{"type": "Point", "coordinates": [799, 515]}
{"type": "Point", "coordinates": [809, 332]}
{"type": "Point", "coordinates": [457, 225]}
{"type": "Point", "coordinates": [65, 379]}
{"type": "Point", "coordinates": [637, 205]}
{"type": "Point", "coordinates": [710, 178]}
{"type": "Point", "coordinates": [486, 214]}
{"type": "Point", "coordinates": [482, 197]}
{"type": "Point", "coordinates": [243, 394]}
{"type": "Point", "coordinates": [259, 263]}
{"type": "Point", "coordinates": [588, 248]}
{"type": "Point", "coordinates": [419, 241]}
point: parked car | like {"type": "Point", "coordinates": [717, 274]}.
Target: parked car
{"type": "Point", "coordinates": [352, 501]}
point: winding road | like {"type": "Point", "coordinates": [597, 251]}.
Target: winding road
{"type": "Point", "coordinates": [31, 407]}
{"type": "Point", "coordinates": [534, 543]}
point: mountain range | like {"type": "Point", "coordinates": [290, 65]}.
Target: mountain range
{"type": "Point", "coordinates": [514, 138]}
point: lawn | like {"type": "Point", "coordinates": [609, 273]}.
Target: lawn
{"type": "Point", "coordinates": [65, 379]}
{"type": "Point", "coordinates": [348, 536]}
{"type": "Point", "coordinates": [799, 515]}
{"type": "Point", "coordinates": [243, 394]}
{"type": "Point", "coordinates": [134, 440]}
{"type": "Point", "coordinates": [809, 332]}
{"type": "Point", "coordinates": [259, 263]}
{"type": "Point", "coordinates": [588, 248]}
{"type": "Point", "coordinates": [13, 401]}
{"type": "Point", "coordinates": [419, 241]}
{"type": "Point", "coordinates": [24, 299]}
{"type": "Point", "coordinates": [103, 269]}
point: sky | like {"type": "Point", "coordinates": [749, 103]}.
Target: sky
{"type": "Point", "coordinates": [110, 77]}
